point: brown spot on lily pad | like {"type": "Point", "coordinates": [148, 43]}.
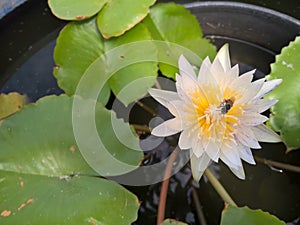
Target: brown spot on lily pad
{"type": "Point", "coordinates": [1, 122]}
{"type": "Point", "coordinates": [21, 182]}
{"type": "Point", "coordinates": [21, 206]}
{"type": "Point", "coordinates": [72, 148]}
{"type": "Point", "coordinates": [29, 201]}
{"type": "Point", "coordinates": [80, 17]}
{"type": "Point", "coordinates": [5, 213]}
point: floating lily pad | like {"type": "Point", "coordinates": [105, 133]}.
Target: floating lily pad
{"type": "Point", "coordinates": [134, 80]}
{"type": "Point", "coordinates": [232, 215]}
{"type": "Point", "coordinates": [119, 16]}
{"type": "Point", "coordinates": [80, 44]}
{"type": "Point", "coordinates": [175, 24]}
{"type": "Point", "coordinates": [285, 117]}
{"type": "Point", "coordinates": [10, 104]}
{"type": "Point", "coordinates": [49, 200]}
{"type": "Point", "coordinates": [75, 9]}
{"type": "Point", "coordinates": [45, 180]}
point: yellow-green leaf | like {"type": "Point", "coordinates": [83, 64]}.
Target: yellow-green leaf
{"type": "Point", "coordinates": [285, 117]}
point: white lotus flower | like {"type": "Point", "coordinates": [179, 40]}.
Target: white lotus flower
{"type": "Point", "coordinates": [217, 113]}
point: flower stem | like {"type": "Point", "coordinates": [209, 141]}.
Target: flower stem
{"type": "Point", "coordinates": [143, 128]}
{"type": "Point", "coordinates": [219, 187]}
{"type": "Point", "coordinates": [279, 165]}
{"type": "Point", "coordinates": [198, 207]}
{"type": "Point", "coordinates": [164, 188]}
{"type": "Point", "coordinates": [146, 108]}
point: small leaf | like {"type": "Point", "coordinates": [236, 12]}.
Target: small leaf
{"type": "Point", "coordinates": [10, 104]}
{"type": "Point", "coordinates": [79, 44]}
{"type": "Point", "coordinates": [119, 16]}
{"type": "Point", "coordinates": [134, 80]}
{"type": "Point", "coordinates": [173, 23]}
{"type": "Point", "coordinates": [75, 9]}
{"type": "Point", "coordinates": [232, 215]}
{"type": "Point", "coordinates": [172, 222]}
{"type": "Point", "coordinates": [285, 117]}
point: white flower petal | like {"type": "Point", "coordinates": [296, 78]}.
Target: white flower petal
{"type": "Point", "coordinates": [185, 141]}
{"type": "Point", "coordinates": [260, 105]}
{"type": "Point", "coordinates": [251, 91]}
{"type": "Point", "coordinates": [239, 172]}
{"type": "Point", "coordinates": [230, 156]}
{"type": "Point", "coordinates": [246, 136]}
{"type": "Point", "coordinates": [186, 68]}
{"type": "Point", "coordinates": [176, 108]}
{"type": "Point", "coordinates": [204, 70]}
{"type": "Point", "coordinates": [186, 84]}
{"type": "Point", "coordinates": [213, 150]}
{"type": "Point", "coordinates": [199, 165]}
{"type": "Point", "coordinates": [253, 119]}
{"type": "Point", "coordinates": [167, 128]}
{"type": "Point", "coordinates": [242, 82]}
{"type": "Point", "coordinates": [217, 71]}
{"type": "Point", "coordinates": [205, 76]}
{"type": "Point", "coordinates": [163, 97]}
{"type": "Point", "coordinates": [223, 57]}
{"type": "Point", "coordinates": [198, 148]}
{"type": "Point", "coordinates": [268, 87]}
{"type": "Point", "coordinates": [246, 154]}
{"type": "Point", "coordinates": [264, 134]}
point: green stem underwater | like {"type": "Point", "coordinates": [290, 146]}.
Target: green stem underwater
{"type": "Point", "coordinates": [219, 187]}
{"type": "Point", "coordinates": [279, 165]}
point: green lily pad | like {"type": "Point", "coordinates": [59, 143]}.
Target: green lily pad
{"type": "Point", "coordinates": [175, 24]}
{"type": "Point", "coordinates": [45, 180]}
{"type": "Point", "coordinates": [79, 45]}
{"type": "Point", "coordinates": [285, 117]}
{"type": "Point", "coordinates": [232, 215]}
{"type": "Point", "coordinates": [75, 9]}
{"type": "Point", "coordinates": [48, 200]}
{"type": "Point", "coordinates": [10, 104]}
{"type": "Point", "coordinates": [119, 16]}
{"type": "Point", "coordinates": [40, 140]}
{"type": "Point", "coordinates": [133, 81]}
{"type": "Point", "coordinates": [172, 222]}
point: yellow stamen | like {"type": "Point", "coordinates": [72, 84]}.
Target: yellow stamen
{"type": "Point", "coordinates": [205, 113]}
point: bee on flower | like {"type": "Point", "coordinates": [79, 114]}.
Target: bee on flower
{"type": "Point", "coordinates": [218, 113]}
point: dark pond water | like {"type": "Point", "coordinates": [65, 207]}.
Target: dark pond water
{"type": "Point", "coordinates": [27, 42]}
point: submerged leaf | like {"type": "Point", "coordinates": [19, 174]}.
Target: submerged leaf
{"type": "Point", "coordinates": [119, 16]}
{"type": "Point", "coordinates": [175, 24]}
{"type": "Point", "coordinates": [10, 104]}
{"type": "Point", "coordinates": [75, 9]}
{"type": "Point", "coordinates": [43, 173]}
{"type": "Point", "coordinates": [285, 117]}
{"type": "Point", "coordinates": [232, 215]}
{"type": "Point", "coordinates": [172, 222]}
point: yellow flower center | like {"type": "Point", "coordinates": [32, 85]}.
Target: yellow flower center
{"type": "Point", "coordinates": [213, 113]}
